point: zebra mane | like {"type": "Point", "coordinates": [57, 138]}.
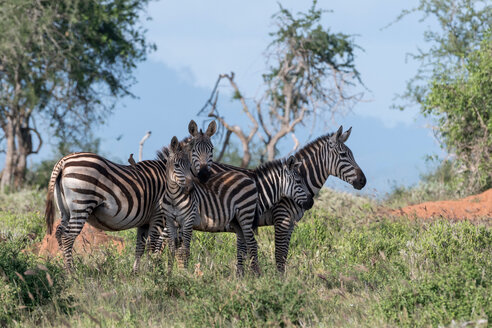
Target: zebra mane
{"type": "Point", "coordinates": [163, 154]}
{"type": "Point", "coordinates": [315, 142]}
{"type": "Point", "coordinates": [270, 164]}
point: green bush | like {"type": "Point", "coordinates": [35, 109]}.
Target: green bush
{"type": "Point", "coordinates": [347, 266]}
{"type": "Point", "coordinates": [27, 283]}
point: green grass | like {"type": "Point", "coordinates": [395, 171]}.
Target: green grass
{"type": "Point", "coordinates": [347, 267]}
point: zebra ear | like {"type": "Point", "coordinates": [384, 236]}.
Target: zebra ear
{"type": "Point", "coordinates": [291, 163]}
{"type": "Point", "coordinates": [345, 135]}
{"type": "Point", "coordinates": [336, 136]}
{"type": "Point", "coordinates": [174, 144]}
{"type": "Point", "coordinates": [212, 127]}
{"type": "Point", "coordinates": [192, 128]}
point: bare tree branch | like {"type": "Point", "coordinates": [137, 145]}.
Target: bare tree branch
{"type": "Point", "coordinates": [141, 144]}
{"type": "Point", "coordinates": [225, 144]}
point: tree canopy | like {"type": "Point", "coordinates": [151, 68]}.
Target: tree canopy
{"type": "Point", "coordinates": [461, 102]}
{"type": "Point", "coordinates": [453, 85]}
{"type": "Point", "coordinates": [310, 75]}
{"type": "Point", "coordinates": [64, 62]}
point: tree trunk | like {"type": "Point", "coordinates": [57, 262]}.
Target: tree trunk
{"type": "Point", "coordinates": [24, 149]}
{"type": "Point", "coordinates": [10, 157]}
{"type": "Point", "coordinates": [19, 146]}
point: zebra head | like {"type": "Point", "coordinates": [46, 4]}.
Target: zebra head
{"type": "Point", "coordinates": [201, 150]}
{"type": "Point", "coordinates": [294, 186]}
{"type": "Point", "coordinates": [342, 162]}
{"type": "Point", "coordinates": [178, 165]}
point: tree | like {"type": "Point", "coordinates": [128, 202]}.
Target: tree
{"type": "Point", "coordinates": [63, 63]}
{"type": "Point", "coordinates": [463, 24]}
{"type": "Point", "coordinates": [452, 84]}
{"type": "Point", "coordinates": [310, 71]}
{"type": "Point", "coordinates": [462, 104]}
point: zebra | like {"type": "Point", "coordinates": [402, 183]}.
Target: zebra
{"type": "Point", "coordinates": [325, 156]}
{"type": "Point", "coordinates": [201, 149]}
{"type": "Point", "coordinates": [110, 196]}
{"type": "Point", "coordinates": [226, 197]}
{"type": "Point", "coordinates": [217, 210]}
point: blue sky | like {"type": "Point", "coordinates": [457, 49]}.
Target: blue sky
{"type": "Point", "coordinates": [197, 40]}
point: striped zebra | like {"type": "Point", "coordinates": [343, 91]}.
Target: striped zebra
{"type": "Point", "coordinates": [113, 197]}
{"type": "Point", "coordinates": [325, 156]}
{"type": "Point", "coordinates": [227, 198]}
{"type": "Point", "coordinates": [217, 209]}
{"type": "Point", "coordinates": [201, 149]}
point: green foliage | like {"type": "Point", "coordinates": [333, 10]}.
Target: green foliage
{"type": "Point", "coordinates": [27, 283]}
{"type": "Point", "coordinates": [462, 104]}
{"type": "Point", "coordinates": [453, 84]}
{"type": "Point", "coordinates": [313, 54]}
{"type": "Point", "coordinates": [454, 282]}
{"type": "Point", "coordinates": [463, 25]}
{"type": "Point", "coordinates": [348, 266]}
{"type": "Point", "coordinates": [64, 62]}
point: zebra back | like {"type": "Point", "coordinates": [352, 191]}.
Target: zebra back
{"type": "Point", "coordinates": [129, 192]}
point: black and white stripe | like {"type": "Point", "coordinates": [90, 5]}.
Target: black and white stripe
{"type": "Point", "coordinates": [201, 149]}
{"type": "Point", "coordinates": [90, 188]}
{"type": "Point", "coordinates": [226, 201]}
{"type": "Point", "coordinates": [325, 156]}
{"type": "Point", "coordinates": [274, 180]}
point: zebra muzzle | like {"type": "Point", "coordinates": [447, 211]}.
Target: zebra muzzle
{"type": "Point", "coordinates": [203, 174]}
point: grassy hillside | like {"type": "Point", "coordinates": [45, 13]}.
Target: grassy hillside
{"type": "Point", "coordinates": [348, 266]}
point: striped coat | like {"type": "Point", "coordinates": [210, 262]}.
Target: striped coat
{"type": "Point", "coordinates": [227, 199]}
{"type": "Point", "coordinates": [325, 156]}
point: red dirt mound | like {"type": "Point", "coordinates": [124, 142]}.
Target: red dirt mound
{"type": "Point", "coordinates": [472, 207]}
{"type": "Point", "coordinates": [88, 241]}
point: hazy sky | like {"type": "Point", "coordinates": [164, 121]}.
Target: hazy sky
{"type": "Point", "coordinates": [197, 40]}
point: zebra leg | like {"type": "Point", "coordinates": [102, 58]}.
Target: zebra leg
{"type": "Point", "coordinates": [251, 245]}
{"type": "Point", "coordinates": [155, 238]}
{"type": "Point", "coordinates": [283, 232]}
{"type": "Point", "coordinates": [163, 240]}
{"type": "Point", "coordinates": [68, 236]}
{"type": "Point", "coordinates": [173, 243]}
{"type": "Point", "coordinates": [240, 249]}
{"type": "Point", "coordinates": [142, 233]}
{"type": "Point", "coordinates": [58, 234]}
{"type": "Point", "coordinates": [184, 249]}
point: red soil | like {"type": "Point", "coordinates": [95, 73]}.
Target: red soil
{"type": "Point", "coordinates": [87, 242]}
{"type": "Point", "coordinates": [472, 207]}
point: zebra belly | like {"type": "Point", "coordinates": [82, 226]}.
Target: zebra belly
{"type": "Point", "coordinates": [104, 219]}
{"type": "Point", "coordinates": [210, 223]}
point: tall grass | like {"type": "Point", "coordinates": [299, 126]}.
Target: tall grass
{"type": "Point", "coordinates": [347, 266]}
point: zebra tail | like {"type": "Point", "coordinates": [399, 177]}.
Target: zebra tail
{"type": "Point", "coordinates": [49, 211]}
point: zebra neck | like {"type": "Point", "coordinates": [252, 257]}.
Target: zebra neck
{"type": "Point", "coordinates": [316, 163]}
{"type": "Point", "coordinates": [268, 183]}
{"type": "Point", "coordinates": [173, 188]}
{"type": "Point", "coordinates": [148, 170]}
